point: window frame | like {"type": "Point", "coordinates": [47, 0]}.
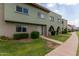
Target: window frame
{"type": "Point", "coordinates": [59, 19]}
{"type": "Point", "coordinates": [22, 12]}
{"type": "Point", "coordinates": [18, 10]}
{"type": "Point", "coordinates": [40, 15]}
{"type": "Point", "coordinates": [18, 28]}
{"type": "Point", "coordinates": [22, 28]}
{"type": "Point", "coordinates": [62, 22]}
{"type": "Point", "coordinates": [51, 18]}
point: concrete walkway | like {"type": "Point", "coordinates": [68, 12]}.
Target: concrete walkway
{"type": "Point", "coordinates": [52, 40]}
{"type": "Point", "coordinates": [69, 48]}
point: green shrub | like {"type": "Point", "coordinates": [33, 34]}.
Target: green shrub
{"type": "Point", "coordinates": [4, 38]}
{"type": "Point", "coordinates": [21, 36]}
{"type": "Point", "coordinates": [35, 35]}
{"type": "Point", "coordinates": [65, 31]}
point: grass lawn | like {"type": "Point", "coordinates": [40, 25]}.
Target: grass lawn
{"type": "Point", "coordinates": [78, 33]}
{"type": "Point", "coordinates": [14, 48]}
{"type": "Point", "coordinates": [78, 44]}
{"type": "Point", "coordinates": [61, 37]}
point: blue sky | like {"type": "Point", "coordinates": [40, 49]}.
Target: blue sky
{"type": "Point", "coordinates": [68, 11]}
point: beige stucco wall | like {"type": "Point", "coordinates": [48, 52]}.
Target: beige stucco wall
{"type": "Point", "coordinates": [41, 29]}
{"type": "Point", "coordinates": [5, 28]}
{"type": "Point", "coordinates": [34, 28]}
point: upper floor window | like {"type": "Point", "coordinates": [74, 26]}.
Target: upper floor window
{"type": "Point", "coordinates": [25, 10]}
{"type": "Point", "coordinates": [51, 18]}
{"type": "Point", "coordinates": [59, 20]}
{"type": "Point", "coordinates": [62, 22]}
{"type": "Point", "coordinates": [18, 8]}
{"type": "Point", "coordinates": [21, 10]}
{"type": "Point", "coordinates": [21, 28]}
{"type": "Point", "coordinates": [41, 15]}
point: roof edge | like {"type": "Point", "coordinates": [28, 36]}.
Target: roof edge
{"type": "Point", "coordinates": [39, 7]}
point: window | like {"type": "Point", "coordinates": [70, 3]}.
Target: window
{"type": "Point", "coordinates": [22, 10]}
{"type": "Point", "coordinates": [62, 22]}
{"type": "Point", "coordinates": [59, 20]}
{"type": "Point", "coordinates": [21, 28]}
{"type": "Point", "coordinates": [24, 29]}
{"type": "Point", "coordinates": [25, 10]}
{"type": "Point", "coordinates": [51, 18]}
{"type": "Point", "coordinates": [18, 9]}
{"type": "Point", "coordinates": [40, 15]}
{"type": "Point", "coordinates": [18, 29]}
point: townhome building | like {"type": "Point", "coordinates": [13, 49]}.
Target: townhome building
{"type": "Point", "coordinates": [28, 17]}
{"type": "Point", "coordinates": [55, 22]}
{"type": "Point", "coordinates": [64, 22]}
{"type": "Point", "coordinates": [71, 27]}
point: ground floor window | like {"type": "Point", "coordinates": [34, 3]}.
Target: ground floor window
{"type": "Point", "coordinates": [21, 28]}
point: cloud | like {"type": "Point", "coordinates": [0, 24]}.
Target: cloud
{"type": "Point", "coordinates": [74, 22]}
{"type": "Point", "coordinates": [51, 5]}
{"type": "Point", "coordinates": [67, 2]}
{"type": "Point", "coordinates": [57, 11]}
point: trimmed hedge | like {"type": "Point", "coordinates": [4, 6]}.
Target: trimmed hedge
{"type": "Point", "coordinates": [65, 31]}
{"type": "Point", "coordinates": [21, 36]}
{"type": "Point", "coordinates": [35, 35]}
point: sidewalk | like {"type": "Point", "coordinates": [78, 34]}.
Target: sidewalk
{"type": "Point", "coordinates": [52, 40]}
{"type": "Point", "coordinates": [69, 48]}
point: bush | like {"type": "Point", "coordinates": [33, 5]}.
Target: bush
{"type": "Point", "coordinates": [35, 35]}
{"type": "Point", "coordinates": [21, 36]}
{"type": "Point", "coordinates": [65, 31]}
{"type": "Point", "coordinates": [4, 38]}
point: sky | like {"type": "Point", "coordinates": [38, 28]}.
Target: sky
{"type": "Point", "coordinates": [69, 11]}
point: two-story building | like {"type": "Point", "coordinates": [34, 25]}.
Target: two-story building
{"type": "Point", "coordinates": [64, 22]}
{"type": "Point", "coordinates": [28, 17]}
{"type": "Point", "coordinates": [55, 22]}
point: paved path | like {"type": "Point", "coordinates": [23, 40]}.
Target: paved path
{"type": "Point", "coordinates": [69, 48]}
{"type": "Point", "coordinates": [52, 40]}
